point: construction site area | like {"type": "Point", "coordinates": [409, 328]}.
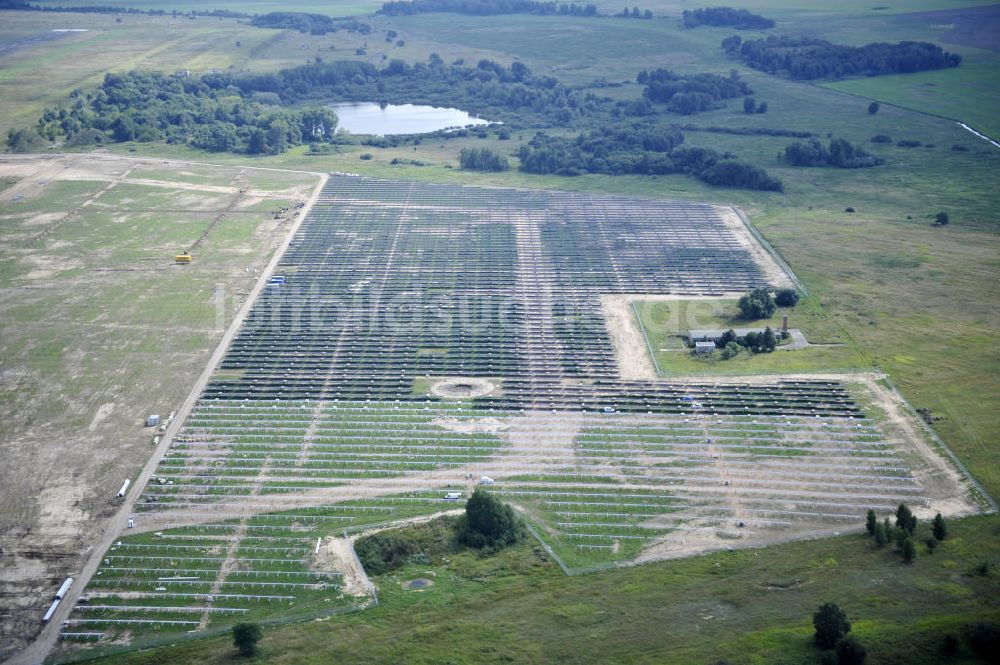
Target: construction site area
{"type": "Point", "coordinates": [99, 327]}
{"type": "Point", "coordinates": [415, 341]}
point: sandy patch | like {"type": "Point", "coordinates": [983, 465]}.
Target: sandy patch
{"type": "Point", "coordinates": [472, 425]}
{"type": "Point", "coordinates": [102, 412]}
{"type": "Point", "coordinates": [338, 555]}
{"type": "Point", "coordinates": [775, 274]}
{"type": "Point", "coordinates": [463, 387]}
{"type": "Point", "coordinates": [631, 352]}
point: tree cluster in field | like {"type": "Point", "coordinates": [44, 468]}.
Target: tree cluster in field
{"type": "Point", "coordinates": [690, 94]}
{"type": "Point", "coordinates": [740, 19]}
{"type": "Point", "coordinates": [482, 159]}
{"type": "Point", "coordinates": [807, 58]}
{"type": "Point", "coordinates": [840, 153]}
{"type": "Point", "coordinates": [487, 7]}
{"type": "Point", "coordinates": [761, 304]}
{"type": "Point", "coordinates": [754, 342]}
{"type": "Point", "coordinates": [488, 525]}
{"type": "Point", "coordinates": [245, 638]}
{"type": "Point", "coordinates": [635, 12]}
{"type": "Point", "coordinates": [747, 131]}
{"type": "Point", "coordinates": [904, 532]}
{"type": "Point", "coordinates": [639, 149]}
{"type": "Point", "coordinates": [313, 24]}
{"type": "Point", "coordinates": [152, 106]}
{"type": "Point", "coordinates": [750, 106]}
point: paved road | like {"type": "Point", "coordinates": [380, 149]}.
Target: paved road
{"type": "Point", "coordinates": [37, 651]}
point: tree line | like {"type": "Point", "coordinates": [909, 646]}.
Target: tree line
{"type": "Point", "coordinates": [488, 89]}
{"type": "Point", "coordinates": [153, 106]}
{"type": "Point", "coordinates": [486, 7]}
{"type": "Point", "coordinates": [249, 113]}
{"type": "Point", "coordinates": [116, 9]}
{"type": "Point", "coordinates": [740, 19]}
{"type": "Point", "coordinates": [693, 93]}
{"type": "Point", "coordinates": [314, 24]}
{"type": "Point", "coordinates": [840, 153]}
{"type": "Point", "coordinates": [639, 149]}
{"type": "Point", "coordinates": [806, 58]}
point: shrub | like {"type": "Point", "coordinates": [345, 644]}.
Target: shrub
{"type": "Point", "coordinates": [941, 219]}
{"type": "Point", "coordinates": [245, 638]}
{"type": "Point", "coordinates": [849, 209]}
{"type": "Point", "coordinates": [380, 553]}
{"type": "Point", "coordinates": [731, 350]}
{"type": "Point", "coordinates": [908, 143]}
{"type": "Point", "coordinates": [873, 108]}
{"type": "Point", "coordinates": [881, 138]}
{"type": "Point", "coordinates": [786, 297]}
{"type": "Point", "coordinates": [831, 625]}
{"type": "Point", "coordinates": [366, 156]}
{"type": "Point", "coordinates": [482, 159]}
{"type": "Point", "coordinates": [24, 140]}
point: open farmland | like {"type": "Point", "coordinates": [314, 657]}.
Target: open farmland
{"type": "Point", "coordinates": [99, 328]}
{"type": "Point", "coordinates": [415, 338]}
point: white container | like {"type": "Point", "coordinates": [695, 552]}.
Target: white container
{"type": "Point", "coordinates": [64, 588]}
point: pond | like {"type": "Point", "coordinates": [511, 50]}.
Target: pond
{"type": "Point", "coordinates": [392, 119]}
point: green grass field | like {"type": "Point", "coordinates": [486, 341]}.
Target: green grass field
{"type": "Point", "coordinates": [745, 607]}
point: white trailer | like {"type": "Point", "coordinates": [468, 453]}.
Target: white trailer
{"type": "Point", "coordinates": [64, 588]}
{"type": "Point", "coordinates": [52, 610]}
{"type": "Point", "coordinates": [121, 492]}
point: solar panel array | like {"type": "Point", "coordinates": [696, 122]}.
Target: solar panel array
{"type": "Point", "coordinates": [323, 414]}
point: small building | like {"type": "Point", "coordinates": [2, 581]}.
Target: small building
{"type": "Point", "coordinates": [704, 347]}
{"type": "Point", "coordinates": [153, 421]}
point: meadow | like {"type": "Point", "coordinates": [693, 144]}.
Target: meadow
{"type": "Point", "coordinates": [742, 607]}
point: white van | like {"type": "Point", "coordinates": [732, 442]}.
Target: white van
{"type": "Point", "coordinates": [452, 496]}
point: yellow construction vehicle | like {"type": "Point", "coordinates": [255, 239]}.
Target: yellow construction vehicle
{"type": "Point", "coordinates": [182, 259]}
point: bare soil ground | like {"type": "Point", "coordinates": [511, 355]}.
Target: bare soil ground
{"type": "Point", "coordinates": [90, 345]}
{"type": "Point", "coordinates": [776, 275]}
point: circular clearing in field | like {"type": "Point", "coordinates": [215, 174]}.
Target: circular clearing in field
{"type": "Point", "coordinates": [418, 584]}
{"type": "Point", "coordinates": [462, 388]}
